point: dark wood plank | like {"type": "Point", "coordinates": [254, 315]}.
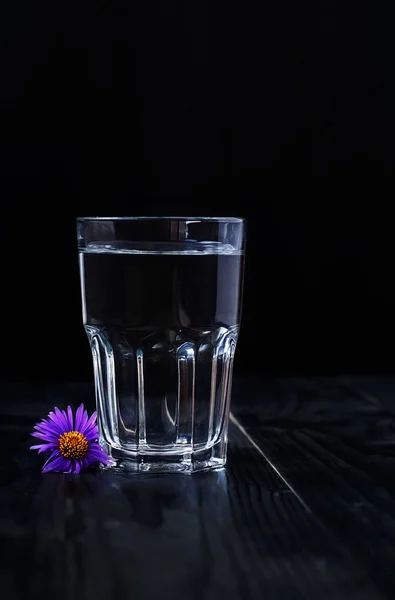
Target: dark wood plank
{"type": "Point", "coordinates": [335, 445]}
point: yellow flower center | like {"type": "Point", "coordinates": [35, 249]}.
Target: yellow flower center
{"type": "Point", "coordinates": [73, 444]}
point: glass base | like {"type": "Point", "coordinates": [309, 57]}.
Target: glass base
{"type": "Point", "coordinates": [149, 462]}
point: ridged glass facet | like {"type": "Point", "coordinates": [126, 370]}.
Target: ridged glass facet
{"type": "Point", "coordinates": [161, 308]}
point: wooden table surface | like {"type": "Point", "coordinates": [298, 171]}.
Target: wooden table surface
{"type": "Point", "coordinates": [305, 508]}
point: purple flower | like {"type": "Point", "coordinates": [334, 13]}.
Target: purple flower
{"type": "Point", "coordinates": [72, 443]}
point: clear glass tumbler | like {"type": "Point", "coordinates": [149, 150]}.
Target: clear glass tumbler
{"type": "Point", "coordinates": [161, 302]}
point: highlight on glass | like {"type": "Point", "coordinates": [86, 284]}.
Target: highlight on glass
{"type": "Point", "coordinates": [161, 305]}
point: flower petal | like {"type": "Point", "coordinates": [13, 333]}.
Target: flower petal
{"type": "Point", "coordinates": [62, 419]}
{"type": "Point", "coordinates": [48, 427]}
{"type": "Point", "coordinates": [77, 467]}
{"type": "Point", "coordinates": [53, 419]}
{"type": "Point", "coordinates": [91, 421]}
{"type": "Point", "coordinates": [45, 429]}
{"type": "Point", "coordinates": [64, 413]}
{"type": "Point", "coordinates": [84, 421]}
{"type": "Point", "coordinates": [51, 458]}
{"type": "Point", "coordinates": [78, 417]}
{"type": "Point", "coordinates": [57, 420]}
{"type": "Point", "coordinates": [97, 454]}
{"type": "Point", "coordinates": [92, 433]}
{"type": "Point", "coordinates": [44, 447]}
{"type": "Point", "coordinates": [60, 464]}
{"type": "Point", "coordinates": [70, 419]}
{"type": "Point", "coordinates": [47, 437]}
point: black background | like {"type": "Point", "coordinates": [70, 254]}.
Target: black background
{"type": "Point", "coordinates": [279, 112]}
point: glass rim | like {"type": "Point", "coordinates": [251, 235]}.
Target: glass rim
{"type": "Point", "coordinates": [167, 218]}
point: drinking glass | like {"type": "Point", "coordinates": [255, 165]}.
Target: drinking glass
{"type": "Point", "coordinates": [161, 302]}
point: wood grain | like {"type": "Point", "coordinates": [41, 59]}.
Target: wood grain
{"type": "Point", "coordinates": [335, 445]}
{"type": "Point", "coordinates": [324, 527]}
